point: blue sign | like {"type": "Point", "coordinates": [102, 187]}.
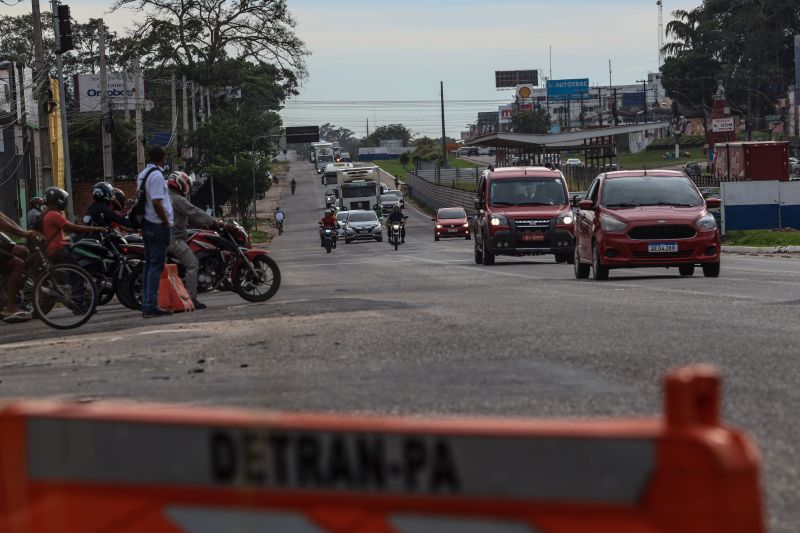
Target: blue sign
{"type": "Point", "coordinates": [633, 99]}
{"type": "Point", "coordinates": [563, 89]}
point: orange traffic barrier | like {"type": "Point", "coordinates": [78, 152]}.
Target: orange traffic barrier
{"type": "Point", "coordinates": [156, 469]}
{"type": "Point", "coordinates": [172, 293]}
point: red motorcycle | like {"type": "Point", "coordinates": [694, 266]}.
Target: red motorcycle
{"type": "Point", "coordinates": [226, 261]}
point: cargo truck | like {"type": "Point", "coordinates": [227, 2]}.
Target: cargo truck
{"type": "Point", "coordinates": [751, 161]}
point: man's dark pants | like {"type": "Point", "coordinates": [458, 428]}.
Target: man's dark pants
{"type": "Point", "coordinates": [156, 240]}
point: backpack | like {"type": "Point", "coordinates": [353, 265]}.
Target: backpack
{"type": "Point", "coordinates": [136, 213]}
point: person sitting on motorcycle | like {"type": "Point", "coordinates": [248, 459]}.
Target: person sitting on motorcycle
{"type": "Point", "coordinates": [12, 264]}
{"type": "Point", "coordinates": [186, 214]}
{"type": "Point", "coordinates": [118, 200]}
{"type": "Point", "coordinates": [101, 213]}
{"type": "Point", "coordinates": [280, 216]}
{"type": "Point", "coordinates": [397, 217]}
{"type": "Point", "coordinates": [328, 221]}
{"type": "Point", "coordinates": [35, 212]}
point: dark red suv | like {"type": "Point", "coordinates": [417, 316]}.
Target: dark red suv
{"type": "Point", "coordinates": [523, 211]}
{"type": "Point", "coordinates": [641, 218]}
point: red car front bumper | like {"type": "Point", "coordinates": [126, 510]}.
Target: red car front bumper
{"type": "Point", "coordinates": [620, 251]}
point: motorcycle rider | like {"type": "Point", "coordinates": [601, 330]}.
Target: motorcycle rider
{"type": "Point", "coordinates": [280, 216]}
{"type": "Point", "coordinates": [35, 212]}
{"type": "Point", "coordinates": [328, 221]}
{"type": "Point", "coordinates": [101, 213]}
{"type": "Point", "coordinates": [12, 263]}
{"type": "Point", "coordinates": [397, 217]}
{"type": "Point", "coordinates": [118, 201]}
{"type": "Point", "coordinates": [294, 185]}
{"type": "Point", "coordinates": [185, 214]}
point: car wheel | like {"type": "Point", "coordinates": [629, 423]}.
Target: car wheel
{"type": "Point", "coordinates": [488, 257]}
{"type": "Point", "coordinates": [599, 272]}
{"type": "Point", "coordinates": [711, 270]}
{"type": "Point", "coordinates": [379, 239]}
{"type": "Point", "coordinates": [478, 254]}
{"type": "Point", "coordinates": [467, 237]}
{"type": "Point", "coordinates": [435, 237]}
{"type": "Point", "coordinates": [581, 270]}
{"type": "Point", "coordinates": [561, 258]}
{"type": "Point", "coordinates": [347, 241]}
{"type": "Point", "coordinates": [686, 270]}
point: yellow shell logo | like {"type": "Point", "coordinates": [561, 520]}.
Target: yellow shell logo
{"type": "Point", "coordinates": [524, 92]}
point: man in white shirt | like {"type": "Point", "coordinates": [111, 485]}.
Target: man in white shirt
{"type": "Point", "coordinates": [155, 230]}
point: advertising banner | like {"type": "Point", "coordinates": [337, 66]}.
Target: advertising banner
{"type": "Point", "coordinates": [31, 106]}
{"type": "Point", "coordinates": [505, 113]}
{"type": "Point", "coordinates": [723, 124]}
{"type": "Point", "coordinates": [564, 89]}
{"type": "Point", "coordinates": [87, 92]}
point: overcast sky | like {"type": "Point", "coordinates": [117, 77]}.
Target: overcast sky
{"type": "Point", "coordinates": [388, 50]}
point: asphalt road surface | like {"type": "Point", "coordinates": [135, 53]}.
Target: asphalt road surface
{"type": "Point", "coordinates": [425, 331]}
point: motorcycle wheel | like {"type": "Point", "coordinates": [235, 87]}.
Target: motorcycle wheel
{"type": "Point", "coordinates": [396, 242]}
{"type": "Point", "coordinates": [123, 290]}
{"type": "Point", "coordinates": [268, 278]}
{"type": "Point", "coordinates": [328, 246]}
{"type": "Point", "coordinates": [133, 287]}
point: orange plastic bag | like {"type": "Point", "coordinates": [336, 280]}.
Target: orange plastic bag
{"type": "Point", "coordinates": [172, 293]}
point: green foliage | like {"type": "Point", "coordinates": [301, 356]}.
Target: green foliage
{"type": "Point", "coordinates": [746, 45]}
{"type": "Point", "coordinates": [334, 134]}
{"type": "Point", "coordinates": [389, 132]}
{"type": "Point", "coordinates": [405, 159]}
{"type": "Point", "coordinates": [426, 149]}
{"type": "Point", "coordinates": [764, 237]}
{"type": "Point", "coordinates": [685, 141]}
{"type": "Point", "coordinates": [85, 154]}
{"type": "Point", "coordinates": [530, 122]}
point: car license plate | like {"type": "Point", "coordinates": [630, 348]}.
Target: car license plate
{"type": "Point", "coordinates": [662, 247]}
{"type": "Point", "coordinates": [454, 230]}
{"type": "Point", "coordinates": [533, 237]}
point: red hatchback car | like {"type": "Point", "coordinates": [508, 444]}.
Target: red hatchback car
{"type": "Point", "coordinates": [451, 222]}
{"type": "Point", "coordinates": [645, 218]}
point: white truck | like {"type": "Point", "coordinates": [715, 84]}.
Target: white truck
{"type": "Point", "coordinates": [323, 154]}
{"type": "Point", "coordinates": [360, 188]}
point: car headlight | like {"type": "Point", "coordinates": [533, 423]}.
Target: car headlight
{"type": "Point", "coordinates": [438, 226]}
{"type": "Point", "coordinates": [706, 222]}
{"type": "Point", "coordinates": [499, 220]}
{"type": "Point", "coordinates": [564, 219]}
{"type": "Point", "coordinates": [609, 223]}
{"type": "Point", "coordinates": [465, 225]}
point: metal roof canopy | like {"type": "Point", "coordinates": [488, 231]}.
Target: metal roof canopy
{"type": "Point", "coordinates": [560, 141]}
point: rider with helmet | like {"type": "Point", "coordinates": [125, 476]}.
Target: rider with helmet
{"type": "Point", "coordinates": [101, 213]}
{"type": "Point", "coordinates": [328, 221]}
{"type": "Point", "coordinates": [35, 207]}
{"type": "Point", "coordinates": [118, 200]}
{"type": "Point", "coordinates": [279, 215]}
{"type": "Point", "coordinates": [185, 215]}
{"type": "Point", "coordinates": [397, 217]}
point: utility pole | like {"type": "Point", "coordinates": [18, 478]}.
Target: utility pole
{"type": "Point", "coordinates": [108, 161]}
{"type": "Point", "coordinates": [445, 164]}
{"type": "Point", "coordinates": [644, 98]}
{"type": "Point", "coordinates": [551, 63]}
{"type": "Point", "coordinates": [174, 101]}
{"type": "Point", "coordinates": [57, 14]}
{"type": "Point", "coordinates": [137, 95]}
{"type": "Point", "coordinates": [208, 99]}
{"type": "Point", "coordinates": [367, 128]}
{"type": "Point", "coordinates": [41, 139]}
{"type": "Point", "coordinates": [614, 108]}
{"type": "Point", "coordinates": [125, 96]}
{"type": "Point", "coordinates": [609, 73]}
{"type": "Point", "coordinates": [185, 115]}
{"type": "Point", "coordinates": [194, 109]}
{"type": "Point", "coordinates": [600, 105]}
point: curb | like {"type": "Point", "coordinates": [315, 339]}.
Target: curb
{"type": "Point", "coordinates": [761, 249]}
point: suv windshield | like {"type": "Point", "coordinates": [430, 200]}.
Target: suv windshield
{"type": "Point", "coordinates": [527, 191]}
{"type": "Point", "coordinates": [363, 217]}
{"type": "Point", "coordinates": [452, 213]}
{"type": "Point", "coordinates": [341, 216]}
{"type": "Point", "coordinates": [638, 191]}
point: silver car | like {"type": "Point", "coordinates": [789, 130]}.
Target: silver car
{"type": "Point", "coordinates": [362, 226]}
{"type": "Point", "coordinates": [388, 201]}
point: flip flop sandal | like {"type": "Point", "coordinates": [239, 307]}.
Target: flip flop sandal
{"type": "Point", "coordinates": [19, 316]}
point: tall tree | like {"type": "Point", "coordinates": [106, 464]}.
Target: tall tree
{"type": "Point", "coordinates": [530, 122]}
{"type": "Point", "coordinates": [196, 36]}
{"type": "Point", "coordinates": [390, 132]}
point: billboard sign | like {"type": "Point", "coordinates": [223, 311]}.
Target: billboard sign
{"type": "Point", "coordinates": [487, 118]}
{"type": "Point", "coordinates": [302, 134]}
{"type": "Point", "coordinates": [524, 92]}
{"type": "Point", "coordinates": [633, 99]}
{"type": "Point", "coordinates": [505, 113]}
{"type": "Point", "coordinates": [509, 79]}
{"type": "Point", "coordinates": [567, 89]}
{"type": "Point", "coordinates": [719, 125]}
{"type": "Point", "coordinates": [31, 106]}
{"type": "Point", "coordinates": [88, 94]}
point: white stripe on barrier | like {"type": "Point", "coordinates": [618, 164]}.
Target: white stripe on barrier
{"type": "Point", "coordinates": [431, 524]}
{"type": "Point", "coordinates": [204, 520]}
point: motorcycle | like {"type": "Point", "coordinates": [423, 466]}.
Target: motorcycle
{"type": "Point", "coordinates": [109, 260]}
{"type": "Point", "coordinates": [226, 259]}
{"type": "Point", "coordinates": [395, 235]}
{"type": "Point", "coordinates": [329, 239]}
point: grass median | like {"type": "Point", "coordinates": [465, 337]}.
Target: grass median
{"type": "Point", "coordinates": [763, 238]}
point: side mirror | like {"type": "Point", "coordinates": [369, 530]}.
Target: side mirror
{"type": "Point", "coordinates": [576, 198]}
{"type": "Point", "coordinates": [433, 220]}
{"type": "Point", "coordinates": [586, 204]}
{"type": "Point", "coordinates": [713, 202]}
{"type": "Point", "coordinates": [476, 203]}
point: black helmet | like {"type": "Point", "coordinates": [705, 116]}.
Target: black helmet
{"type": "Point", "coordinates": [56, 197]}
{"type": "Point", "coordinates": [396, 208]}
{"type": "Point", "coordinates": [36, 202]}
{"type": "Point", "coordinates": [102, 191]}
{"type": "Point", "coordinates": [119, 197]}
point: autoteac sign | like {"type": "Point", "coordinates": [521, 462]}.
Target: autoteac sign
{"type": "Point", "coordinates": [88, 93]}
{"type": "Point", "coordinates": [563, 89]}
